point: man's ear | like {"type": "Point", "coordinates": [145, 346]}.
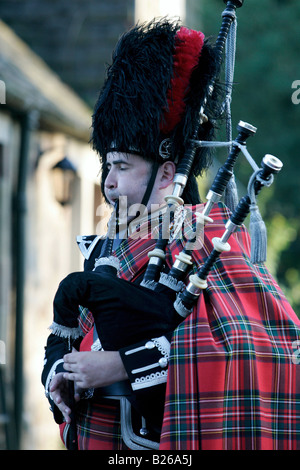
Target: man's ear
{"type": "Point", "coordinates": [166, 174]}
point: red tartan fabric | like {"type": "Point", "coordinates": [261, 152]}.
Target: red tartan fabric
{"type": "Point", "coordinates": [232, 382]}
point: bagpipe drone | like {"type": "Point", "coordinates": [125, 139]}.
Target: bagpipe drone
{"type": "Point", "coordinates": [160, 101]}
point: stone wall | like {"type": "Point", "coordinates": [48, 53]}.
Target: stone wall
{"type": "Point", "coordinates": [75, 38]}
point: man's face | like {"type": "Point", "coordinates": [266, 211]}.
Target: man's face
{"type": "Point", "coordinates": [128, 175]}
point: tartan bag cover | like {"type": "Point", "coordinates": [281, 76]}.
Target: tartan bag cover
{"type": "Point", "coordinates": [233, 382]}
{"type": "Point", "coordinates": [231, 378]}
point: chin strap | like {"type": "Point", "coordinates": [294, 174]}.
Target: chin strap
{"type": "Point", "coordinates": [150, 185]}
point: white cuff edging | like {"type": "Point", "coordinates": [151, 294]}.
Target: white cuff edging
{"type": "Point", "coordinates": [50, 377]}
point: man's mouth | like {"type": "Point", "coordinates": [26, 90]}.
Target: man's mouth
{"type": "Point", "coordinates": [112, 199]}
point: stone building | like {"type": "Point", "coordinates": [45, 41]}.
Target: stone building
{"type": "Point", "coordinates": [76, 38]}
{"type": "Point", "coordinates": [39, 126]}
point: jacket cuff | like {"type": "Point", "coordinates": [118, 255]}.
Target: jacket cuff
{"type": "Point", "coordinates": [146, 363]}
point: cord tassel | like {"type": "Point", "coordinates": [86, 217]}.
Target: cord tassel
{"type": "Point", "coordinates": [258, 233]}
{"type": "Point", "coordinates": [231, 194]}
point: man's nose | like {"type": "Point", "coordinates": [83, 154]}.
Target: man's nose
{"type": "Point", "coordinates": [110, 180]}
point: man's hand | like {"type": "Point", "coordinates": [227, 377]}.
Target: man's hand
{"type": "Point", "coordinates": [60, 394]}
{"type": "Point", "coordinates": [94, 369]}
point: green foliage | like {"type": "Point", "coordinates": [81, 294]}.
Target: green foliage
{"type": "Point", "coordinates": [267, 64]}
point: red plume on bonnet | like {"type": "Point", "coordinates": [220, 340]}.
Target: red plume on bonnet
{"type": "Point", "coordinates": [188, 46]}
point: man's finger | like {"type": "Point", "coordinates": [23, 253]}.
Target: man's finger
{"type": "Point", "coordinates": [70, 376]}
{"type": "Point", "coordinates": [54, 383]}
{"type": "Point", "coordinates": [68, 367]}
{"type": "Point", "coordinates": [71, 357]}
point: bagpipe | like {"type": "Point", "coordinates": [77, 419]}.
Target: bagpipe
{"type": "Point", "coordinates": [108, 296]}
{"type": "Point", "coordinates": [125, 313]}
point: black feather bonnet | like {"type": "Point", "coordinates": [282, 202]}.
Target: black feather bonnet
{"type": "Point", "coordinates": [154, 88]}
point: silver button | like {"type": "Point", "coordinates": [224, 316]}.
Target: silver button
{"type": "Point", "coordinates": [144, 431]}
{"type": "Point", "coordinates": [149, 345]}
{"type": "Point", "coordinates": [163, 362]}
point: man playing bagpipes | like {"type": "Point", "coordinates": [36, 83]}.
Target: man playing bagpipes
{"type": "Point", "coordinates": [224, 378]}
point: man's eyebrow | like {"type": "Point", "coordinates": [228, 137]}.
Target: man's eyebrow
{"type": "Point", "coordinates": [119, 161]}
